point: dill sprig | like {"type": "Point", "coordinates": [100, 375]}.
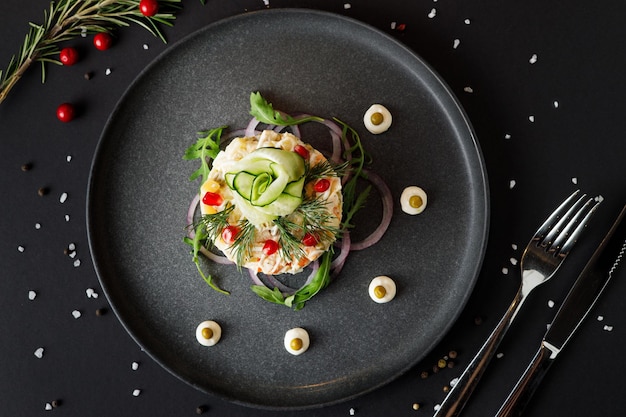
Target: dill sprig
{"type": "Point", "coordinates": [242, 246]}
{"type": "Point", "coordinates": [215, 223]}
{"type": "Point", "coordinates": [67, 19]}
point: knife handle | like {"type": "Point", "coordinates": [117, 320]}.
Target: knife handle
{"type": "Point", "coordinates": [527, 385]}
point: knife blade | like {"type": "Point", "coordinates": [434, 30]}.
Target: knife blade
{"type": "Point", "coordinates": [579, 302]}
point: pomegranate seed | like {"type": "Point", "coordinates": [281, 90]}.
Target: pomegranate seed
{"type": "Point", "coordinates": [302, 151]}
{"type": "Point", "coordinates": [229, 234]}
{"type": "Point", "coordinates": [270, 247]}
{"type": "Point", "coordinates": [309, 240]}
{"type": "Point", "coordinates": [321, 185]}
{"type": "Point", "coordinates": [212, 199]}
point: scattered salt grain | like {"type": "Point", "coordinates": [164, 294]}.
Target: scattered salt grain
{"type": "Point", "coordinates": [76, 263]}
{"type": "Point", "coordinates": [467, 21]}
{"type": "Point", "coordinates": [63, 198]}
{"type": "Point", "coordinates": [266, 2]}
{"type": "Point", "coordinates": [67, 217]}
{"type": "Point", "coordinates": [599, 199]}
{"type": "Point", "coordinates": [32, 295]}
{"type": "Point", "coordinates": [76, 314]}
{"type": "Point", "coordinates": [134, 366]}
{"type": "Point", "coordinates": [600, 318]}
{"type": "Point", "coordinates": [136, 393]}
{"type": "Point", "coordinates": [505, 270]}
{"type": "Point", "coordinates": [507, 136]}
{"type": "Point", "coordinates": [531, 118]}
{"type": "Point", "coordinates": [500, 355]}
{"type": "Point", "coordinates": [468, 90]}
{"type": "Point", "coordinates": [513, 246]}
{"type": "Point", "coordinates": [145, 46]}
{"type": "Point", "coordinates": [456, 43]}
{"type": "Point", "coordinates": [347, 6]}
{"type": "Point", "coordinates": [91, 293]}
{"type": "Point", "coordinates": [432, 13]}
{"type": "Point", "coordinates": [608, 328]}
{"type": "Point", "coordinates": [437, 407]}
{"type": "Point", "coordinates": [68, 158]}
{"type": "Point", "coordinates": [72, 254]}
{"type": "Point", "coordinates": [454, 382]}
{"type": "Point", "coordinates": [512, 184]}
{"type": "Point", "coordinates": [352, 411]}
{"type": "Point", "coordinates": [39, 353]}
{"type": "Point", "coordinates": [48, 407]}
{"type": "Point", "coordinates": [393, 25]}
{"type": "Point", "coordinates": [574, 180]}
{"type": "Point", "coordinates": [555, 104]}
{"type": "Point", "coordinates": [107, 71]}
{"type": "Point", "coordinates": [71, 246]}
{"type": "Point", "coordinates": [513, 261]}
{"type": "Point", "coordinates": [550, 303]}
{"type": "Point", "coordinates": [37, 226]}
{"type": "Point", "coordinates": [533, 59]}
{"type": "Point", "coordinates": [21, 248]}
{"type": "Point", "coordinates": [83, 32]}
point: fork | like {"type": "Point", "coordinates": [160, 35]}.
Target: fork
{"type": "Point", "coordinates": [543, 256]}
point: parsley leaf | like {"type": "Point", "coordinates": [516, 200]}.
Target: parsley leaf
{"type": "Point", "coordinates": [206, 148]}
{"type": "Point", "coordinates": [265, 113]}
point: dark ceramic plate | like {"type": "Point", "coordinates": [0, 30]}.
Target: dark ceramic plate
{"type": "Point", "coordinates": [301, 61]}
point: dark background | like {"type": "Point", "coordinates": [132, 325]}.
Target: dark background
{"type": "Point", "coordinates": [578, 143]}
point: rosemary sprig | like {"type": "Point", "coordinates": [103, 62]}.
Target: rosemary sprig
{"type": "Point", "coordinates": [67, 19]}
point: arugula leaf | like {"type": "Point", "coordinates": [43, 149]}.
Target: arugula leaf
{"type": "Point", "coordinates": [206, 148]}
{"type": "Point", "coordinates": [318, 283]}
{"type": "Point", "coordinates": [273, 296]}
{"type": "Point", "coordinates": [197, 243]}
{"type": "Point", "coordinates": [265, 113]}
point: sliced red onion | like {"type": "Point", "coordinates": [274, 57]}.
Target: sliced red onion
{"type": "Point", "coordinates": [190, 212]}
{"type": "Point", "coordinates": [387, 199]}
{"type": "Point", "coordinates": [218, 259]}
{"type": "Point", "coordinates": [250, 129]}
{"type": "Point", "coordinates": [337, 264]}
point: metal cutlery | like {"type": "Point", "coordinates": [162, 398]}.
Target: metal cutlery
{"type": "Point", "coordinates": [577, 305]}
{"type": "Point", "coordinates": [543, 255]}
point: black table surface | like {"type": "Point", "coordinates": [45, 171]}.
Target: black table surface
{"type": "Point", "coordinates": [543, 85]}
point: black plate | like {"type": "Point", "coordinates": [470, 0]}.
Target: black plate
{"type": "Point", "coordinates": [301, 61]}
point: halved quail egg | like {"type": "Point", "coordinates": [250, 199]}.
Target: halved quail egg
{"type": "Point", "coordinates": [382, 289]}
{"type": "Point", "coordinates": [208, 333]}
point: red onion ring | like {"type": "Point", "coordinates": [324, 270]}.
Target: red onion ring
{"type": "Point", "coordinates": [337, 264]}
{"type": "Point", "coordinates": [387, 199]}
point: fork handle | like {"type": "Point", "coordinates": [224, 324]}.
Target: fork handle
{"type": "Point", "coordinates": [459, 394]}
{"type": "Point", "coordinates": [527, 385]}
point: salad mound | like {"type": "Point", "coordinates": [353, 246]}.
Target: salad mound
{"type": "Point", "coordinates": [269, 190]}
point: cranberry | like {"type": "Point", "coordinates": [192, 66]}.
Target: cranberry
{"type": "Point", "coordinates": [66, 112]}
{"type": "Point", "coordinates": [270, 247]}
{"type": "Point", "coordinates": [68, 56]}
{"type": "Point", "coordinates": [149, 7]}
{"type": "Point", "coordinates": [302, 151]}
{"type": "Point", "coordinates": [102, 41]}
{"type": "Point", "coordinates": [309, 239]}
{"type": "Point", "coordinates": [212, 199]}
{"type": "Point", "coordinates": [229, 234]}
{"type": "Point", "coordinates": [321, 185]}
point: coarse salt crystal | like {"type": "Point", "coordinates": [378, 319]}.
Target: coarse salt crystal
{"type": "Point", "coordinates": [76, 314]}
{"type": "Point", "coordinates": [21, 248]}
{"type": "Point", "coordinates": [600, 318]}
{"type": "Point", "coordinates": [513, 246]}
{"type": "Point", "coordinates": [393, 25]}
{"type": "Point", "coordinates": [107, 71]}
{"type": "Point", "coordinates": [513, 261]}
{"type": "Point", "coordinates": [507, 136]}
{"type": "Point", "coordinates": [505, 270]}
{"type": "Point", "coordinates": [512, 184]}
{"type": "Point", "coordinates": [77, 263]}
{"type": "Point", "coordinates": [347, 6]}
{"type": "Point", "coordinates": [531, 118]}
{"type": "Point", "coordinates": [456, 43]}
{"type": "Point", "coordinates": [63, 198]}
{"type": "Point", "coordinates": [608, 328]}
{"type": "Point", "coordinates": [71, 246]}
{"type": "Point", "coordinates": [555, 104]}
{"type": "Point", "coordinates": [145, 46]}
{"type": "Point", "coordinates": [432, 13]}
{"type": "Point", "coordinates": [599, 199]}
{"type": "Point", "coordinates": [68, 158]}
{"type": "Point", "coordinates": [437, 407]}
{"type": "Point", "coordinates": [454, 382]}
{"type": "Point", "coordinates": [136, 392]}
{"type": "Point", "coordinates": [134, 366]}
{"type": "Point", "coordinates": [500, 355]}
{"type": "Point", "coordinates": [91, 293]}
{"type": "Point", "coordinates": [72, 254]}
{"type": "Point", "coordinates": [533, 59]}
{"type": "Point", "coordinates": [67, 217]}
{"type": "Point", "coordinates": [266, 2]}
{"type": "Point", "coordinates": [352, 411]}
{"type": "Point", "coordinates": [468, 89]}
{"type": "Point", "coordinates": [574, 180]}
{"type": "Point", "coordinates": [37, 226]}
{"type": "Point", "coordinates": [467, 21]}
{"type": "Point", "coordinates": [39, 352]}
{"type": "Point", "coordinates": [48, 407]}
{"type": "Point", "coordinates": [32, 295]}
{"type": "Point", "coordinates": [550, 303]}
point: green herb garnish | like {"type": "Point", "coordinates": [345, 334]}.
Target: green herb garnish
{"type": "Point", "coordinates": [265, 113]}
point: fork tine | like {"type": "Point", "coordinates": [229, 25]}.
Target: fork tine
{"type": "Point", "coordinates": [549, 239]}
{"type": "Point", "coordinates": [547, 225]}
{"type": "Point", "coordinates": [567, 246]}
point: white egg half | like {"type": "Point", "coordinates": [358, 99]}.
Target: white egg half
{"type": "Point", "coordinates": [413, 200]}
{"type": "Point", "coordinates": [382, 289]}
{"type": "Point", "coordinates": [208, 333]}
{"type": "Point", "coordinates": [297, 341]}
{"type": "Point", "coordinates": [377, 119]}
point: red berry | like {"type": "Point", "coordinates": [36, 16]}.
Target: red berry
{"type": "Point", "coordinates": [270, 247]}
{"type": "Point", "coordinates": [68, 56]}
{"type": "Point", "coordinates": [212, 199]}
{"type": "Point", "coordinates": [149, 7]}
{"type": "Point", "coordinates": [302, 151]}
{"type": "Point", "coordinates": [321, 185]}
{"type": "Point", "coordinates": [65, 112]}
{"type": "Point", "coordinates": [102, 41]}
{"type": "Point", "coordinates": [309, 240]}
{"type": "Point", "coordinates": [229, 234]}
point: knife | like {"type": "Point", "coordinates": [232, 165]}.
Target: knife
{"type": "Point", "coordinates": [577, 305]}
